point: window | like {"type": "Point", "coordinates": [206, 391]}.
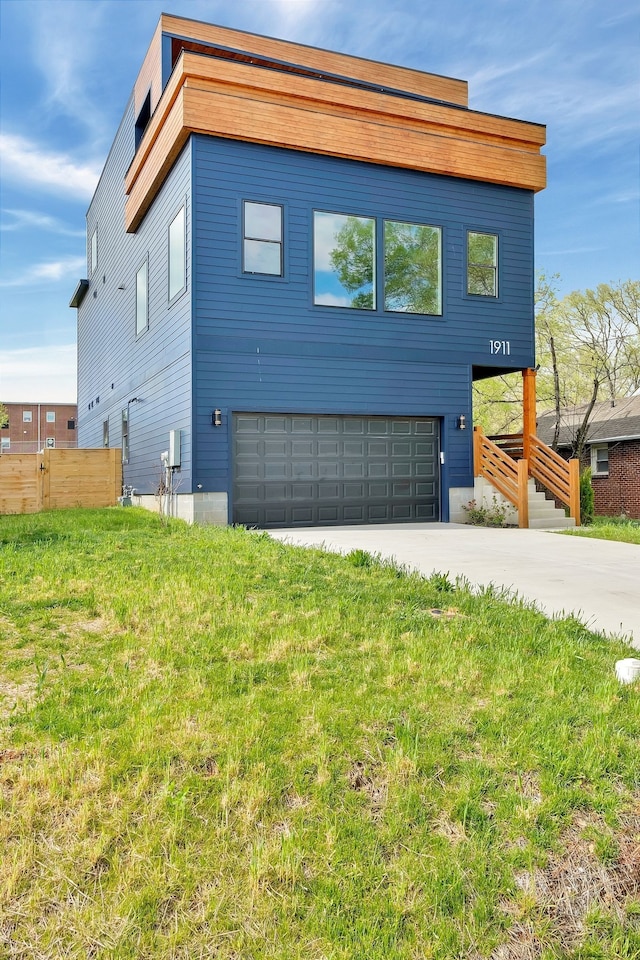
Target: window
{"type": "Point", "coordinates": [600, 459]}
{"type": "Point", "coordinates": [51, 416]}
{"type": "Point", "coordinates": [177, 255]}
{"type": "Point", "coordinates": [143, 119]}
{"type": "Point", "coordinates": [482, 264]}
{"type": "Point", "coordinates": [71, 424]}
{"type": "Point", "coordinates": [27, 416]}
{"type": "Point", "coordinates": [344, 257]}
{"type": "Point", "coordinates": [94, 250]}
{"type": "Point", "coordinates": [125, 435]}
{"type": "Point", "coordinates": [142, 298]}
{"type": "Point", "coordinates": [262, 238]}
{"type": "Point", "coordinates": [412, 268]}
{"type": "Point", "coordinates": [5, 444]}
{"type": "Point", "coordinates": [105, 433]}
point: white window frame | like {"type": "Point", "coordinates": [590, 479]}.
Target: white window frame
{"type": "Point", "coordinates": [5, 443]}
{"type": "Point", "coordinates": [142, 316]}
{"type": "Point", "coordinates": [51, 416]}
{"type": "Point", "coordinates": [93, 250]}
{"type": "Point", "coordinates": [27, 416]}
{"type": "Point", "coordinates": [595, 472]}
{"type": "Point", "coordinates": [177, 232]}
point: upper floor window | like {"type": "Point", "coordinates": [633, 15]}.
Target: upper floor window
{"type": "Point", "coordinates": [482, 264]}
{"type": "Point", "coordinates": [177, 254]}
{"type": "Point", "coordinates": [344, 256]}
{"type": "Point", "coordinates": [27, 416]}
{"type": "Point", "coordinates": [600, 459]}
{"type": "Point", "coordinates": [412, 268]}
{"type": "Point", "coordinates": [262, 238]}
{"type": "Point", "coordinates": [125, 434]}
{"type": "Point", "coordinates": [71, 424]}
{"type": "Point", "coordinates": [142, 298]}
{"type": "Point", "coordinates": [105, 433]}
{"type": "Point", "coordinates": [94, 250]}
{"type": "Point", "coordinates": [51, 416]}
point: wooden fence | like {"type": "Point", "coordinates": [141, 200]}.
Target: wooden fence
{"type": "Point", "coordinates": [56, 478]}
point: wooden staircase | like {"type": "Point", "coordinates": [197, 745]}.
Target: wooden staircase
{"type": "Point", "coordinates": [512, 463]}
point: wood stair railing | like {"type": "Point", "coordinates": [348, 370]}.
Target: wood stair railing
{"type": "Point", "coordinates": [501, 461]}
{"type": "Point", "coordinates": [507, 475]}
{"type": "Point", "coordinates": [560, 477]}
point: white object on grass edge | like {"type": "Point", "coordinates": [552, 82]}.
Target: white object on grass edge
{"type": "Point", "coordinates": [628, 670]}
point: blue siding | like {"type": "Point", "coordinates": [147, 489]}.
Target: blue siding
{"type": "Point", "coordinates": [113, 363]}
{"type": "Point", "coordinates": [260, 343]}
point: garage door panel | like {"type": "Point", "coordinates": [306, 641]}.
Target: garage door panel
{"type": "Point", "coordinates": [306, 470]}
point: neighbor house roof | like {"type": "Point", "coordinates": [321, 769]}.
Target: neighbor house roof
{"type": "Point", "coordinates": [609, 422]}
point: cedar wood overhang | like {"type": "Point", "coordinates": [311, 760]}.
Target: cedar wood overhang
{"type": "Point", "coordinates": [241, 86]}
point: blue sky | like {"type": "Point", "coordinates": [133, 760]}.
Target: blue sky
{"type": "Point", "coordinates": [68, 67]}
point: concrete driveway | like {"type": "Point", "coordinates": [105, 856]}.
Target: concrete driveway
{"type": "Point", "coordinates": [596, 580]}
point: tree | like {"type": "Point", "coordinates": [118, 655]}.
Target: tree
{"type": "Point", "coordinates": [411, 265]}
{"type": "Point", "coordinates": [4, 416]}
{"type": "Point", "coordinates": [587, 348]}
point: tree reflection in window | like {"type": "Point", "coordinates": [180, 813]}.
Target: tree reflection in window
{"type": "Point", "coordinates": [482, 264]}
{"type": "Point", "coordinates": [412, 268]}
{"type": "Point", "coordinates": [344, 261]}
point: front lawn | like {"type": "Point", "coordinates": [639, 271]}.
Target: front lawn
{"type": "Point", "coordinates": [215, 745]}
{"type": "Point", "coordinates": [610, 528]}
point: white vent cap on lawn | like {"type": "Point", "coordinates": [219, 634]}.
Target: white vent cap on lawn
{"type": "Point", "coordinates": [628, 670]}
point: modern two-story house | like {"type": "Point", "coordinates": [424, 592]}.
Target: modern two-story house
{"type": "Point", "coordinates": [298, 263]}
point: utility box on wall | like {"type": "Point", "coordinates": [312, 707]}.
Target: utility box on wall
{"type": "Point", "coordinates": [174, 448]}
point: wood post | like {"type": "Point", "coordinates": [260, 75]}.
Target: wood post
{"type": "Point", "coordinates": [523, 494]}
{"type": "Point", "coordinates": [477, 456]}
{"type": "Point", "coordinates": [574, 490]}
{"type": "Point", "coordinates": [528, 410]}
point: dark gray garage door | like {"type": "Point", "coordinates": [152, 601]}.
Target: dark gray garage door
{"type": "Point", "coordinates": [296, 470]}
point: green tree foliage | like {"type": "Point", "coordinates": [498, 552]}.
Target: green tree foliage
{"type": "Point", "coordinates": [586, 498]}
{"type": "Point", "coordinates": [588, 349]}
{"type": "Point", "coordinates": [411, 265]}
{"type": "Point", "coordinates": [4, 416]}
{"type": "Point", "coordinates": [352, 258]}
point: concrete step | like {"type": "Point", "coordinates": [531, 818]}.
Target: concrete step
{"type": "Point", "coordinates": [557, 523]}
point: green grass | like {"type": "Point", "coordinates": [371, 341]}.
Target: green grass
{"type": "Point", "coordinates": [216, 745]}
{"type": "Point", "coordinates": [610, 528]}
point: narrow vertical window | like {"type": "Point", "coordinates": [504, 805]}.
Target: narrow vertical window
{"type": "Point", "coordinates": [344, 257]}
{"type": "Point", "coordinates": [412, 268]}
{"type": "Point", "coordinates": [142, 298]}
{"type": "Point", "coordinates": [262, 238]}
{"type": "Point", "coordinates": [177, 255]}
{"type": "Point", "coordinates": [105, 433]}
{"type": "Point", "coordinates": [125, 435]}
{"type": "Point", "coordinates": [94, 250]}
{"type": "Point", "coordinates": [482, 264]}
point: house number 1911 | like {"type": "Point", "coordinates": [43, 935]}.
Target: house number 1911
{"type": "Point", "coordinates": [500, 347]}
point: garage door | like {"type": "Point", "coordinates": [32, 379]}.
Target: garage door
{"type": "Point", "coordinates": [296, 470]}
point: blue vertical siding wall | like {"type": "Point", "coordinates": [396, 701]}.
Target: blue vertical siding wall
{"type": "Point", "coordinates": [115, 364]}
{"type": "Point", "coordinates": [262, 345]}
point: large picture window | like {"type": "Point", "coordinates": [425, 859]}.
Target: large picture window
{"type": "Point", "coordinates": [142, 298]}
{"type": "Point", "coordinates": [482, 264]}
{"type": "Point", "coordinates": [412, 268]}
{"type": "Point", "coordinates": [262, 238]}
{"type": "Point", "coordinates": [344, 261]}
{"type": "Point", "coordinates": [177, 255]}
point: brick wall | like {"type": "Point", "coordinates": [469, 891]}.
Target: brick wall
{"type": "Point", "coordinates": [619, 493]}
{"type": "Point", "coordinates": [46, 421]}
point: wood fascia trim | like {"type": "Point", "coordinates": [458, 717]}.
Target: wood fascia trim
{"type": "Point", "coordinates": [425, 84]}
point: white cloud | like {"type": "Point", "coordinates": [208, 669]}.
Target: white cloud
{"type": "Point", "coordinates": [44, 374]}
{"type": "Point", "coordinates": [26, 162]}
{"type": "Point", "coordinates": [27, 219]}
{"type": "Point", "coordinates": [48, 272]}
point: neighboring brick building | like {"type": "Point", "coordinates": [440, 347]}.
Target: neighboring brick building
{"type": "Point", "coordinates": [34, 426]}
{"type": "Point", "coordinates": [613, 452]}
